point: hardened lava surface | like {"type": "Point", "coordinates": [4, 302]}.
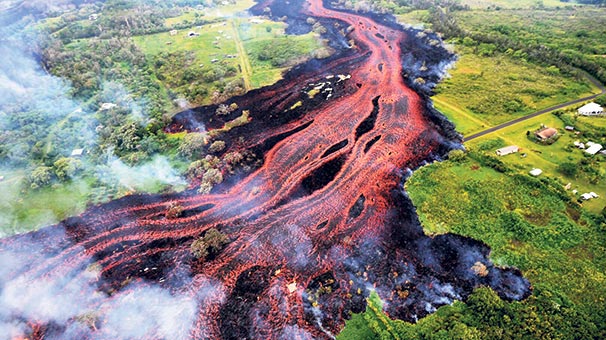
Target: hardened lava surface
{"type": "Point", "coordinates": [312, 230]}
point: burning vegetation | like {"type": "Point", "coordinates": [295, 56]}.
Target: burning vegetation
{"type": "Point", "coordinates": [293, 246]}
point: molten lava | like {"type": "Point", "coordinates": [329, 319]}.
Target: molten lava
{"type": "Point", "coordinates": [319, 224]}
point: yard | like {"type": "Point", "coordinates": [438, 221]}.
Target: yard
{"type": "Point", "coordinates": [548, 157]}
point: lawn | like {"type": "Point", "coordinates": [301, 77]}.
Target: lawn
{"type": "Point", "coordinates": [548, 157]}
{"type": "Point", "coordinates": [21, 212]}
{"type": "Point", "coordinates": [202, 45]}
{"type": "Point", "coordinates": [484, 91]}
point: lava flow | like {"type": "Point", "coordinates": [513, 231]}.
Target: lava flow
{"type": "Point", "coordinates": [318, 225]}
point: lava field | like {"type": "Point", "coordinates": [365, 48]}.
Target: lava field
{"type": "Point", "coordinates": [319, 224]}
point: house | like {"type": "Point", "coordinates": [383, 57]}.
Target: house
{"type": "Point", "coordinates": [536, 172]}
{"type": "Point", "coordinates": [107, 106]}
{"type": "Point", "coordinates": [591, 109]}
{"type": "Point", "coordinates": [77, 153]}
{"type": "Point", "coordinates": [93, 17]}
{"type": "Point", "coordinates": [589, 195]}
{"type": "Point", "coordinates": [593, 148]}
{"type": "Point", "coordinates": [546, 133]}
{"type": "Point", "coordinates": [569, 128]}
{"type": "Point", "coordinates": [173, 32]}
{"type": "Point", "coordinates": [508, 150]}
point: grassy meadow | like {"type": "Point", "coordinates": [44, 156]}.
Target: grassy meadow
{"type": "Point", "coordinates": [486, 90]}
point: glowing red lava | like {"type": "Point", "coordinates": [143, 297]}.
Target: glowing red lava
{"type": "Point", "coordinates": [319, 224]}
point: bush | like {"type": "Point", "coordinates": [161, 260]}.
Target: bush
{"type": "Point", "coordinates": [457, 155]}
{"type": "Point", "coordinates": [210, 244]}
{"type": "Point", "coordinates": [568, 169]}
{"type": "Point", "coordinates": [217, 146]}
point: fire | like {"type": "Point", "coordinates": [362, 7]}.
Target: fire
{"type": "Point", "coordinates": [324, 216]}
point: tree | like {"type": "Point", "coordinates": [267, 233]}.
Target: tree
{"type": "Point", "coordinates": [174, 210]}
{"type": "Point", "coordinates": [192, 144]}
{"type": "Point", "coordinates": [41, 176]}
{"type": "Point", "coordinates": [211, 243]}
{"type": "Point", "coordinates": [222, 110]}
{"type": "Point", "coordinates": [199, 248]}
{"type": "Point", "coordinates": [457, 155]}
{"type": "Point", "coordinates": [217, 146]}
{"type": "Point", "coordinates": [568, 169]}
{"type": "Point", "coordinates": [66, 167]}
{"type": "Point", "coordinates": [215, 240]}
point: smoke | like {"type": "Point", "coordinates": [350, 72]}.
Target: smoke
{"type": "Point", "coordinates": [294, 332]}
{"type": "Point", "coordinates": [74, 302]}
{"type": "Point", "coordinates": [295, 243]}
{"type": "Point", "coordinates": [140, 177]}
{"type": "Point", "coordinates": [149, 312]}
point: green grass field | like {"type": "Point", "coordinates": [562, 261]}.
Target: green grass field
{"type": "Point", "coordinates": [527, 224]}
{"type": "Point", "coordinates": [484, 91]}
{"type": "Point", "coordinates": [21, 212]}
{"type": "Point", "coordinates": [548, 157]}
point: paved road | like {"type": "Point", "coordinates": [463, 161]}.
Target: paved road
{"type": "Point", "coordinates": [538, 113]}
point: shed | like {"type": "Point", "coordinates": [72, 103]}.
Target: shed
{"type": "Point", "coordinates": [107, 106]}
{"type": "Point", "coordinates": [591, 109]}
{"type": "Point", "coordinates": [569, 128]}
{"type": "Point", "coordinates": [593, 149]}
{"type": "Point", "coordinates": [536, 172]}
{"type": "Point", "coordinates": [77, 152]}
{"type": "Point", "coordinates": [508, 150]}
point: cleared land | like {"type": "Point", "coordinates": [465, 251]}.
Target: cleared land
{"type": "Point", "coordinates": [485, 91]}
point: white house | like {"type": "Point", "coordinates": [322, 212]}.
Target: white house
{"type": "Point", "coordinates": [536, 172]}
{"type": "Point", "coordinates": [107, 106]}
{"type": "Point", "coordinates": [77, 152]}
{"type": "Point", "coordinates": [508, 150]}
{"type": "Point", "coordinates": [591, 109]}
{"type": "Point", "coordinates": [593, 149]}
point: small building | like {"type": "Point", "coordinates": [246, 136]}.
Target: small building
{"type": "Point", "coordinates": [536, 172]}
{"type": "Point", "coordinates": [173, 32]}
{"type": "Point", "coordinates": [589, 195]}
{"type": "Point", "coordinates": [77, 153]}
{"type": "Point", "coordinates": [214, 61]}
{"type": "Point", "coordinates": [569, 128]}
{"type": "Point", "coordinates": [192, 34]}
{"type": "Point", "coordinates": [591, 109]}
{"type": "Point", "coordinates": [93, 17]}
{"type": "Point", "coordinates": [546, 133]}
{"type": "Point", "coordinates": [292, 287]}
{"type": "Point", "coordinates": [593, 148]}
{"type": "Point", "coordinates": [508, 150]}
{"type": "Point", "coordinates": [107, 106]}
